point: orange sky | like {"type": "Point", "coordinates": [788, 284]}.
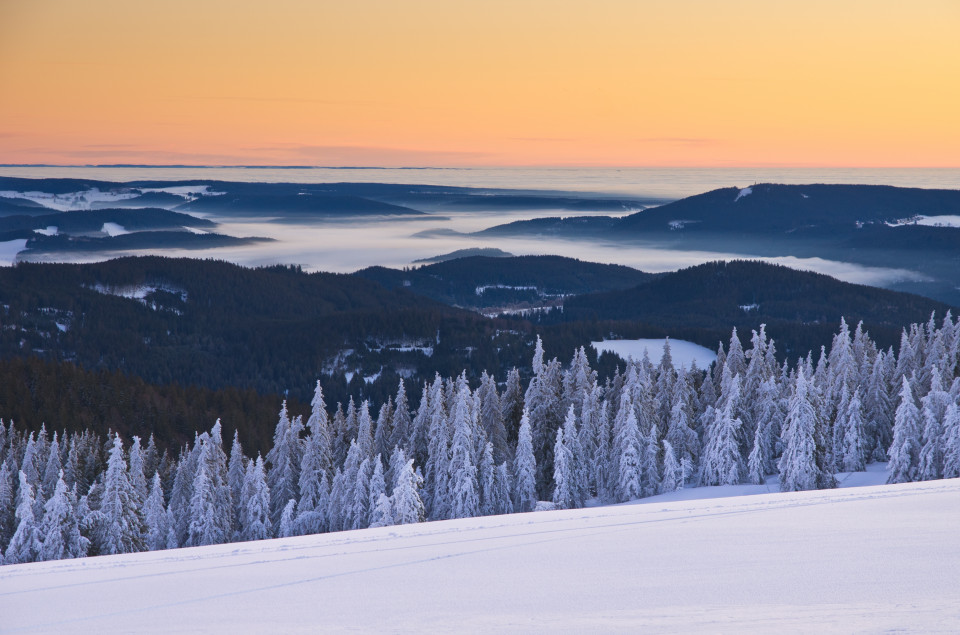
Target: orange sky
{"type": "Point", "coordinates": [458, 82]}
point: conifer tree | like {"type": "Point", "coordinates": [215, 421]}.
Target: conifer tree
{"type": "Point", "coordinates": [383, 435]}
{"type": "Point", "coordinates": [138, 481]}
{"type": "Point", "coordinates": [236, 470]}
{"type": "Point", "coordinates": [905, 450]}
{"type": "Point", "coordinates": [933, 413]}
{"type": "Point", "coordinates": [854, 456]}
{"type": "Point", "coordinates": [7, 524]}
{"type": "Point", "coordinates": [464, 491]}
{"type": "Point", "coordinates": [284, 458]}
{"type": "Point", "coordinates": [951, 449]}
{"type": "Point", "coordinates": [288, 524]}
{"type": "Point", "coordinates": [255, 503]}
{"type": "Point", "coordinates": [406, 504]}
{"type": "Point", "coordinates": [418, 443]}
{"type": "Point", "coordinates": [53, 467]}
{"type": "Point", "coordinates": [360, 505]}
{"type": "Point", "coordinates": [491, 417]}
{"type": "Point", "coordinates": [26, 543]}
{"type": "Point", "coordinates": [486, 475]}
{"type": "Point", "coordinates": [382, 513]}
{"type": "Point", "coordinates": [511, 405]}
{"type": "Point", "coordinates": [402, 422]}
{"type": "Point", "coordinates": [525, 468]}
{"type": "Point", "coordinates": [211, 507]}
{"type": "Point", "coordinates": [378, 489]}
{"type": "Point", "coordinates": [60, 528]}
{"type": "Point", "coordinates": [801, 465]}
{"type": "Point", "coordinates": [627, 452]}
{"type": "Point", "coordinates": [672, 470]}
{"type": "Point", "coordinates": [563, 496]}
{"type": "Point", "coordinates": [365, 430]}
{"type": "Point", "coordinates": [122, 528]}
{"type": "Point", "coordinates": [156, 517]}
{"type": "Point", "coordinates": [501, 498]}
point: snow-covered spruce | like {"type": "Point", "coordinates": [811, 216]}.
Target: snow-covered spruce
{"type": "Point", "coordinates": [499, 448]}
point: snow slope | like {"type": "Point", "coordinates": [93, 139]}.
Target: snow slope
{"type": "Point", "coordinates": [849, 560]}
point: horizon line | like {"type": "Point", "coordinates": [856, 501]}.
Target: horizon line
{"type": "Point", "coordinates": [475, 167]}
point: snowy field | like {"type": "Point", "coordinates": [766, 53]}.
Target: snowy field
{"type": "Point", "coordinates": [683, 353]}
{"type": "Point", "coordinates": [863, 559]}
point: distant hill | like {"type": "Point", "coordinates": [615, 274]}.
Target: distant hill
{"type": "Point", "coordinates": [481, 281]}
{"type": "Point", "coordinates": [490, 252]}
{"type": "Point", "coordinates": [767, 208]}
{"type": "Point", "coordinates": [299, 205]}
{"type": "Point", "coordinates": [317, 200]}
{"type": "Point", "coordinates": [85, 221]}
{"type": "Point", "coordinates": [865, 224]}
{"type": "Point", "coordinates": [800, 308]}
{"type": "Point", "coordinates": [63, 244]}
{"type": "Point", "coordinates": [216, 325]}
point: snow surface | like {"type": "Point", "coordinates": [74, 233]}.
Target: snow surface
{"type": "Point", "coordinates": [683, 352]}
{"type": "Point", "coordinates": [51, 230]}
{"type": "Point", "coordinates": [747, 191]}
{"type": "Point", "coordinates": [9, 250]}
{"type": "Point", "coordinates": [880, 558]}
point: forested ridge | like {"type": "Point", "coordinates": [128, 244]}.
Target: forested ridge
{"type": "Point", "coordinates": [213, 326]}
{"type": "Point", "coordinates": [562, 439]}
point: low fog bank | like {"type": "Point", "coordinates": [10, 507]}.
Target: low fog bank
{"type": "Point", "coordinates": [346, 246]}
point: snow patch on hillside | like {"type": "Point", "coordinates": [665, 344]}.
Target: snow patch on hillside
{"type": "Point", "coordinates": [139, 292]}
{"type": "Point", "coordinates": [113, 229]}
{"type": "Point", "coordinates": [684, 353]}
{"type": "Point", "coordinates": [51, 230]}
{"type": "Point", "coordinates": [747, 191]}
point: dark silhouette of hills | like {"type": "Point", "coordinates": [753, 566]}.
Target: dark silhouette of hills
{"type": "Point", "coordinates": [847, 223]}
{"type": "Point", "coordinates": [483, 281]}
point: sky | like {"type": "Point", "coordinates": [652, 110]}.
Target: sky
{"type": "Point", "coordinates": [515, 83]}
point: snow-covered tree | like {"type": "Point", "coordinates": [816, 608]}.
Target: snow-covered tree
{"type": "Point", "coordinates": [406, 504]}
{"type": "Point", "coordinates": [722, 461]}
{"type": "Point", "coordinates": [563, 496]}
{"type": "Point", "coordinates": [288, 520]}
{"type": "Point", "coordinates": [933, 413]}
{"type": "Point", "coordinates": [255, 503]}
{"type": "Point", "coordinates": [904, 465]}
{"type": "Point", "coordinates": [854, 454]}
{"type": "Point", "coordinates": [27, 542]}
{"type": "Point", "coordinates": [285, 457]}
{"type": "Point", "coordinates": [464, 490]}
{"type": "Point", "coordinates": [60, 527]}
{"type": "Point", "coordinates": [120, 510]}
{"type": "Point", "coordinates": [673, 476]}
{"type": "Point", "coordinates": [525, 468]}
{"type": "Point", "coordinates": [626, 452]}
{"type": "Point", "coordinates": [156, 519]}
{"type": "Point", "coordinates": [801, 467]}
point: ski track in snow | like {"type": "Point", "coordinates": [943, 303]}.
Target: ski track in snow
{"type": "Point", "coordinates": [866, 558]}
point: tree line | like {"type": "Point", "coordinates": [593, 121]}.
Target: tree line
{"type": "Point", "coordinates": [560, 440]}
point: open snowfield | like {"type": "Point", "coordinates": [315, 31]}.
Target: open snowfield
{"type": "Point", "coordinates": [683, 353]}
{"type": "Point", "coordinates": [862, 559]}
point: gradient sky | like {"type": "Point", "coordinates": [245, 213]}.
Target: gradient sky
{"type": "Point", "coordinates": [456, 82]}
